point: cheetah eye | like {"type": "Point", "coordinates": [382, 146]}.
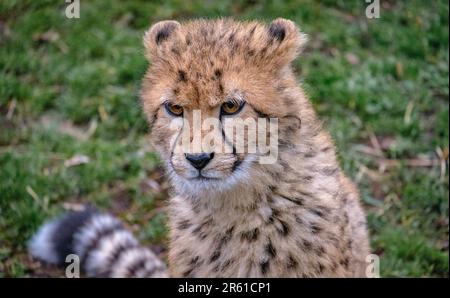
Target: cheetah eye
{"type": "Point", "coordinates": [173, 109]}
{"type": "Point", "coordinates": [231, 107]}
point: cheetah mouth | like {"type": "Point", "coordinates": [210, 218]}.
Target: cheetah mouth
{"type": "Point", "coordinates": [201, 177]}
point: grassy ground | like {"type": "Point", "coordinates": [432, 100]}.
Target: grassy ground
{"type": "Point", "coordinates": [68, 91]}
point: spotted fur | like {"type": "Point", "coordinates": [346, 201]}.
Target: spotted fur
{"type": "Point", "coordinates": [299, 217]}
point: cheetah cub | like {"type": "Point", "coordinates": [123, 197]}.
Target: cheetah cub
{"type": "Point", "coordinates": [231, 215]}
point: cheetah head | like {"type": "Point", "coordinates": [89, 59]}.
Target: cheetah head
{"type": "Point", "coordinates": [204, 73]}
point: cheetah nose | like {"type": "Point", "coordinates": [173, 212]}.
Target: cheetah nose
{"type": "Point", "coordinates": [199, 161]}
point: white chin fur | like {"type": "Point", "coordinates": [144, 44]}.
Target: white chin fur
{"type": "Point", "coordinates": [41, 245]}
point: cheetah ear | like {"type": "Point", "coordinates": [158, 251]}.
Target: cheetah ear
{"type": "Point", "coordinates": [286, 39]}
{"type": "Point", "coordinates": [158, 35]}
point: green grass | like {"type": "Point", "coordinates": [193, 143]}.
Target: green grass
{"type": "Point", "coordinates": [383, 79]}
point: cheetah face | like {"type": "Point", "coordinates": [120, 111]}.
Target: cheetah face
{"type": "Point", "coordinates": [212, 95]}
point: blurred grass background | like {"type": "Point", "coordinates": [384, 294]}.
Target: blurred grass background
{"type": "Point", "coordinates": [72, 131]}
